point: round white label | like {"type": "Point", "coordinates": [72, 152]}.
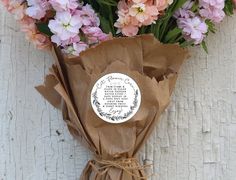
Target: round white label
{"type": "Point", "coordinates": [115, 98]}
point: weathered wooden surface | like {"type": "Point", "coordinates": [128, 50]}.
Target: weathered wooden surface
{"type": "Point", "coordinates": [196, 139]}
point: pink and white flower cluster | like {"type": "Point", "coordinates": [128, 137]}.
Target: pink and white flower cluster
{"type": "Point", "coordinates": [75, 27]}
{"type": "Point", "coordinates": [193, 24]}
{"type": "Point", "coordinates": [37, 8]}
{"type": "Point", "coordinates": [133, 14]}
{"type": "Point", "coordinates": [212, 9]}
{"type": "Point", "coordinates": [18, 9]}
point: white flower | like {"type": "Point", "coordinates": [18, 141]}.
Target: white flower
{"type": "Point", "coordinates": [65, 25]}
{"type": "Point", "coordinates": [138, 11]}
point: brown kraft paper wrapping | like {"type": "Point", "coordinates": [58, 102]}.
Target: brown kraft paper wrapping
{"type": "Point", "coordinates": [154, 68]}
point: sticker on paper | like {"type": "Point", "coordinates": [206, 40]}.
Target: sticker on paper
{"type": "Point", "coordinates": [115, 98]}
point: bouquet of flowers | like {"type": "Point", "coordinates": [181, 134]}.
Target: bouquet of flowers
{"type": "Point", "coordinates": [76, 25]}
{"type": "Point", "coordinates": [116, 65]}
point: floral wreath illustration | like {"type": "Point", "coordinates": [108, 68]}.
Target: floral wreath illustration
{"type": "Point", "coordinates": [110, 116]}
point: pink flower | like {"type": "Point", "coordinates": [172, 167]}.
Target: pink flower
{"type": "Point", "coordinates": [143, 13]}
{"type": "Point", "coordinates": [37, 8]}
{"type": "Point", "coordinates": [74, 31]}
{"type": "Point", "coordinates": [67, 42]}
{"type": "Point", "coordinates": [130, 30]}
{"type": "Point", "coordinates": [163, 4]}
{"type": "Point", "coordinates": [152, 13]}
{"type": "Point", "coordinates": [138, 11]}
{"type": "Point", "coordinates": [94, 35]}
{"type": "Point", "coordinates": [185, 10]}
{"type": "Point", "coordinates": [134, 14]}
{"type": "Point", "coordinates": [12, 4]}
{"type": "Point", "coordinates": [75, 27]}
{"type": "Point", "coordinates": [28, 25]}
{"type": "Point", "coordinates": [5, 3]}
{"type": "Point", "coordinates": [16, 7]}
{"type": "Point", "coordinates": [18, 12]}
{"type": "Point", "coordinates": [194, 29]}
{"type": "Point", "coordinates": [64, 5]}
{"type": "Point", "coordinates": [126, 24]}
{"type": "Point", "coordinates": [65, 25]}
{"type": "Point", "coordinates": [219, 4]}
{"type": "Point", "coordinates": [214, 15]}
{"type": "Point", "coordinates": [212, 9]}
{"type": "Point", "coordinates": [79, 47]}
{"type": "Point", "coordinates": [75, 48]}
{"type": "Point", "coordinates": [39, 40]}
{"type": "Point", "coordinates": [88, 16]}
{"type": "Point", "coordinates": [123, 7]}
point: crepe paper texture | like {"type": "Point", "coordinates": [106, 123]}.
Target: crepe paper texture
{"type": "Point", "coordinates": [152, 65]}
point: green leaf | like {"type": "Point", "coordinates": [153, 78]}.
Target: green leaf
{"type": "Point", "coordinates": [172, 35]}
{"type": "Point", "coordinates": [195, 7]}
{"type": "Point", "coordinates": [204, 46]}
{"type": "Point", "coordinates": [166, 23]}
{"type": "Point", "coordinates": [229, 7]}
{"type": "Point", "coordinates": [105, 24]}
{"type": "Point", "coordinates": [143, 30]}
{"type": "Point", "coordinates": [43, 28]}
{"type": "Point", "coordinates": [211, 26]}
{"type": "Point", "coordinates": [176, 5]}
{"type": "Point", "coordinates": [186, 44]}
{"type": "Point", "coordinates": [108, 2]}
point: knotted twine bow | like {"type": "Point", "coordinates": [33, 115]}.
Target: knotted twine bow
{"type": "Point", "coordinates": [128, 165]}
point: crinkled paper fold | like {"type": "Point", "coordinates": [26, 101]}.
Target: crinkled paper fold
{"type": "Point", "coordinates": [152, 65]}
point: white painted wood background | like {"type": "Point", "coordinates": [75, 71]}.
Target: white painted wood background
{"type": "Point", "coordinates": [196, 139]}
